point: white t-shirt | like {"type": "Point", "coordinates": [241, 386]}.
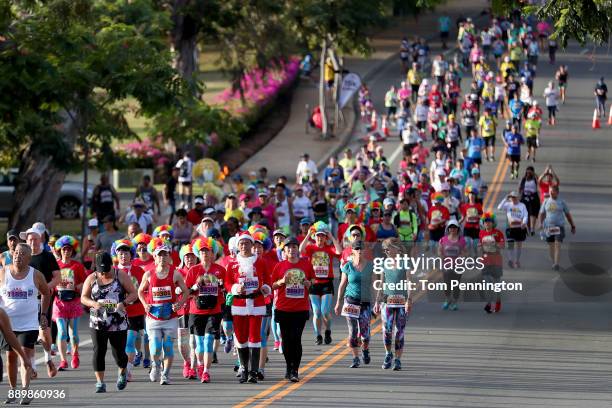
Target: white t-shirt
{"type": "Point", "coordinates": [516, 215]}
{"type": "Point", "coordinates": [486, 37]}
{"type": "Point", "coordinates": [420, 113]}
{"type": "Point", "coordinates": [185, 167]}
{"type": "Point", "coordinates": [409, 137]}
{"type": "Point", "coordinates": [306, 169]}
{"type": "Point", "coordinates": [551, 95]}
{"type": "Point", "coordinates": [301, 207]}
{"type": "Point", "coordinates": [144, 221]}
{"type": "Point", "coordinates": [439, 68]}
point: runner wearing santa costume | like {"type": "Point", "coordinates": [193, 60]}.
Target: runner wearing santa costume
{"type": "Point", "coordinates": [248, 280]}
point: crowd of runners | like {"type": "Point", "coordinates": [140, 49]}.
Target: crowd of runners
{"type": "Point", "coordinates": [231, 273]}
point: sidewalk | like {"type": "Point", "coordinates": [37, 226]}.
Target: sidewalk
{"type": "Point", "coordinates": [282, 154]}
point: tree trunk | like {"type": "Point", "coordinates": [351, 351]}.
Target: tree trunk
{"type": "Point", "coordinates": [322, 96]}
{"type": "Point", "coordinates": [39, 182]}
{"type": "Point", "coordinates": [184, 41]}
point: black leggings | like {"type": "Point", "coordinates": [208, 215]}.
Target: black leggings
{"type": "Point", "coordinates": [291, 327]}
{"type": "Point", "coordinates": [100, 339]}
{"type": "Point", "coordinates": [450, 276]}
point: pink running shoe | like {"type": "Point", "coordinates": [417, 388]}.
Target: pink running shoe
{"type": "Point", "coordinates": [186, 369]}
{"type": "Point", "coordinates": [63, 365]}
{"type": "Point", "coordinates": [75, 361]}
{"type": "Point", "coordinates": [201, 372]}
{"type": "Point", "coordinates": [205, 378]}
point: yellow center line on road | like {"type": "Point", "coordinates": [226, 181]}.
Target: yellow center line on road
{"type": "Point", "coordinates": [498, 179]}
{"type": "Point", "coordinates": [493, 200]}
{"type": "Point", "coordinates": [315, 372]}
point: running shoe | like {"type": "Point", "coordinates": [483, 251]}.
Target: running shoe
{"type": "Point", "coordinates": [454, 307]}
{"type": "Point", "coordinates": [487, 308]}
{"type": "Point", "coordinates": [100, 387]}
{"type": "Point", "coordinates": [243, 376]}
{"type": "Point", "coordinates": [276, 345]}
{"type": "Point", "coordinates": [280, 348]}
{"type": "Point", "coordinates": [261, 374]}
{"type": "Point", "coordinates": [200, 371]}
{"type": "Point", "coordinates": [252, 377]}
{"type": "Point", "coordinates": [555, 267]}
{"type": "Point", "coordinates": [510, 264]}
{"type": "Point", "coordinates": [186, 368]}
{"type": "Point", "coordinates": [205, 378]}
{"type": "Point", "coordinates": [214, 359]}
{"type": "Point", "coordinates": [63, 365]}
{"type": "Point", "coordinates": [25, 400]}
{"type": "Point", "coordinates": [319, 340]}
{"type": "Point", "coordinates": [130, 370]}
{"type": "Point", "coordinates": [51, 370]}
{"type": "Point", "coordinates": [294, 376]}
{"type": "Point", "coordinates": [154, 373]}
{"type": "Point", "coordinates": [137, 359]}
{"type": "Point", "coordinates": [397, 365]}
{"type": "Point", "coordinates": [122, 381]}
{"type": "Point", "coordinates": [192, 374]}
{"type": "Point", "coordinates": [236, 367]}
{"type": "Point", "coordinates": [240, 371]}
{"type": "Point", "coordinates": [146, 363]}
{"type": "Point", "coordinates": [497, 306]}
{"type": "Point", "coordinates": [75, 361]}
{"type": "Point", "coordinates": [12, 400]}
{"type": "Point", "coordinates": [328, 338]}
{"type": "Point", "coordinates": [366, 356]}
{"type": "Point", "coordinates": [356, 363]}
{"type": "Point", "coordinates": [229, 344]}
{"type": "Point", "coordinates": [53, 349]}
{"type": "Point", "coordinates": [164, 379]}
{"type": "Point", "coordinates": [388, 360]}
{"type": "Point", "coordinates": [445, 305]}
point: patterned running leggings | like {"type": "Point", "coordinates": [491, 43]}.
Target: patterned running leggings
{"type": "Point", "coordinates": [359, 329]}
{"type": "Point", "coordinates": [393, 317]}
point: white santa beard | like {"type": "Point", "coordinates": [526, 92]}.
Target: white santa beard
{"type": "Point", "coordinates": [246, 264]}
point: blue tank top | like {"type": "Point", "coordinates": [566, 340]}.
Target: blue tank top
{"type": "Point", "coordinates": [7, 258]}
{"type": "Point", "coordinates": [382, 233]}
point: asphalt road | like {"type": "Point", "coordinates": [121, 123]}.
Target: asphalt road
{"type": "Point", "coordinates": [550, 345]}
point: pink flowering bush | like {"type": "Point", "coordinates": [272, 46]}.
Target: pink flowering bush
{"type": "Point", "coordinates": [144, 153]}
{"type": "Point", "coordinates": [260, 87]}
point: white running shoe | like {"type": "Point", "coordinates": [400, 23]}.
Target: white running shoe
{"type": "Point", "coordinates": [154, 373]}
{"type": "Point", "coordinates": [164, 380]}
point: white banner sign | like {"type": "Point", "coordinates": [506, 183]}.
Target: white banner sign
{"type": "Point", "coordinates": [350, 84]}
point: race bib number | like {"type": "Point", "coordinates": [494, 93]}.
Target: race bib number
{"type": "Point", "coordinates": [110, 305]}
{"type": "Point", "coordinates": [489, 244]}
{"type": "Point", "coordinates": [67, 279]}
{"type": "Point", "coordinates": [294, 284]}
{"type": "Point", "coordinates": [320, 264]}
{"type": "Point", "coordinates": [552, 231]}
{"type": "Point", "coordinates": [161, 293]}
{"type": "Point", "coordinates": [351, 311]}
{"type": "Point", "coordinates": [396, 300]}
{"type": "Point", "coordinates": [436, 217]}
{"type": "Point", "coordinates": [472, 215]}
{"type": "Point", "coordinates": [251, 284]}
{"type": "Point", "coordinates": [208, 285]}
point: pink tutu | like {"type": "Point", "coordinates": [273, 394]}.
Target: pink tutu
{"type": "Point", "coordinates": [67, 310]}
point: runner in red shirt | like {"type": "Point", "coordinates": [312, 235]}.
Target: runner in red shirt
{"type": "Point", "coordinates": [261, 245]}
{"type": "Point", "coordinates": [144, 258]}
{"type": "Point", "coordinates": [67, 307]}
{"type": "Point", "coordinates": [470, 218]}
{"type": "Point", "coordinates": [292, 278]}
{"type": "Point", "coordinates": [491, 243]}
{"type": "Point", "coordinates": [321, 256]}
{"type": "Point", "coordinates": [186, 342]}
{"type": "Point", "coordinates": [205, 281]}
{"type": "Point", "coordinates": [123, 252]}
{"type": "Point", "coordinates": [437, 216]}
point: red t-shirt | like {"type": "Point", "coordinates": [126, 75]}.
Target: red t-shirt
{"type": "Point", "coordinates": [545, 189]}
{"type": "Point", "coordinates": [342, 230]}
{"type": "Point", "coordinates": [293, 296]}
{"type": "Point", "coordinates": [143, 264]}
{"type": "Point", "coordinates": [212, 286]}
{"type": "Point", "coordinates": [488, 238]}
{"type": "Point", "coordinates": [471, 213]}
{"type": "Point", "coordinates": [72, 274]}
{"type": "Point", "coordinates": [321, 260]}
{"type": "Point", "coordinates": [135, 273]}
{"type": "Point", "coordinates": [195, 217]}
{"type": "Point", "coordinates": [438, 214]}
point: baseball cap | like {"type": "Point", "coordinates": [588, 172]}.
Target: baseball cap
{"type": "Point", "coordinates": [208, 218]}
{"type": "Point", "coordinates": [475, 170]}
{"type": "Point", "coordinates": [279, 232]}
{"type": "Point", "coordinates": [104, 262]}
{"type": "Point", "coordinates": [243, 236]}
{"type": "Point", "coordinates": [93, 223]}
{"type": "Point", "coordinates": [305, 221]}
{"type": "Point", "coordinates": [138, 202]}
{"type": "Point", "coordinates": [209, 211]}
{"type": "Point", "coordinates": [12, 233]}
{"type": "Point", "coordinates": [513, 194]}
{"type": "Point", "coordinates": [122, 244]}
{"type": "Point", "coordinates": [37, 228]}
{"type": "Point", "coordinates": [388, 201]}
{"type": "Point", "coordinates": [291, 241]}
{"type": "Point", "coordinates": [161, 248]}
{"type": "Point", "coordinates": [243, 197]}
{"type": "Point", "coordinates": [199, 200]}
